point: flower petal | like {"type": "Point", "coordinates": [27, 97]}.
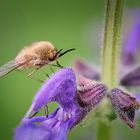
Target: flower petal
{"type": "Point", "coordinates": [132, 78]}
{"type": "Point", "coordinates": [137, 95]}
{"type": "Point", "coordinates": [42, 128]}
{"type": "Point", "coordinates": [131, 45]}
{"type": "Point", "coordinates": [85, 70]}
{"type": "Point", "coordinates": [125, 106]}
{"type": "Point", "coordinates": [54, 127]}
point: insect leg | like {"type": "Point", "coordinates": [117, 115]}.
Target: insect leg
{"type": "Point", "coordinates": [58, 64]}
{"type": "Point", "coordinates": [45, 73]}
{"type": "Point", "coordinates": [54, 65]}
{"type": "Point", "coordinates": [30, 75]}
{"type": "Point", "coordinates": [51, 69]}
{"type": "Point", "coordinates": [33, 114]}
{"type": "Point", "coordinates": [46, 111]}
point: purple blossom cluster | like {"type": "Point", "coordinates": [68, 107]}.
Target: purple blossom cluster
{"type": "Point", "coordinates": [74, 106]}
{"type": "Point", "coordinates": [77, 97]}
{"type": "Point", "coordinates": [75, 102]}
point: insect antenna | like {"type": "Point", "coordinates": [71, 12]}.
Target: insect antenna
{"type": "Point", "coordinates": [61, 54]}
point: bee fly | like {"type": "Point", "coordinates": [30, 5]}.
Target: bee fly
{"type": "Point", "coordinates": [36, 56]}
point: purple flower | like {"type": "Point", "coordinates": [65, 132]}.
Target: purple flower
{"type": "Point", "coordinates": [132, 78]}
{"type": "Point", "coordinates": [132, 43]}
{"type": "Point", "coordinates": [131, 48]}
{"type": "Point", "coordinates": [125, 105]}
{"type": "Point", "coordinates": [61, 88]}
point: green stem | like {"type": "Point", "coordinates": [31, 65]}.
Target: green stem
{"type": "Point", "coordinates": [107, 43]}
{"type": "Point", "coordinates": [103, 131]}
{"type": "Point", "coordinates": [110, 56]}
{"type": "Point", "coordinates": [116, 42]}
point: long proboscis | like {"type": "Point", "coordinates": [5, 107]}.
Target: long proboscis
{"type": "Point", "coordinates": [61, 54]}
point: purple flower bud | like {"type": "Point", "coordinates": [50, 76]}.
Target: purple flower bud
{"type": "Point", "coordinates": [132, 78]}
{"type": "Point", "coordinates": [125, 106]}
{"type": "Point", "coordinates": [87, 71]}
{"type": "Point", "coordinates": [90, 93]}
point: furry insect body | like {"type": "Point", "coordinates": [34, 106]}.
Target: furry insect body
{"type": "Point", "coordinates": [38, 54]}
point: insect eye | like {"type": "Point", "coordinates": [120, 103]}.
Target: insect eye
{"type": "Point", "coordinates": [52, 59]}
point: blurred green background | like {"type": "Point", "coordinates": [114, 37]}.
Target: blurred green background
{"type": "Point", "coordinates": [67, 24]}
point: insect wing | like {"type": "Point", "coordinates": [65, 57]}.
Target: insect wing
{"type": "Point", "coordinates": [8, 67]}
